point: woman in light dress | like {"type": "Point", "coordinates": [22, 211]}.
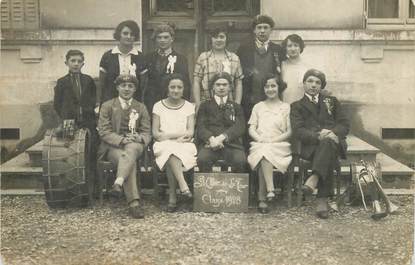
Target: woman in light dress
{"type": "Point", "coordinates": [269, 127]}
{"type": "Point", "coordinates": [293, 68]}
{"type": "Point", "coordinates": [173, 128]}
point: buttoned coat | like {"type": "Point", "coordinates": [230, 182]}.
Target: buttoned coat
{"type": "Point", "coordinates": [213, 121]}
{"type": "Point", "coordinates": [109, 124]}
{"type": "Point", "coordinates": [246, 54]}
{"type": "Point", "coordinates": [307, 120]}
{"type": "Point", "coordinates": [67, 100]}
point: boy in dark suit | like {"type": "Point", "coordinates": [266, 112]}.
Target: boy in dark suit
{"type": "Point", "coordinates": [220, 127]}
{"type": "Point", "coordinates": [74, 102]}
{"type": "Point", "coordinates": [258, 57]}
{"type": "Point", "coordinates": [321, 126]}
{"type": "Point", "coordinates": [75, 94]}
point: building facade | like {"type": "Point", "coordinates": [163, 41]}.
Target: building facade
{"type": "Point", "coordinates": [366, 48]}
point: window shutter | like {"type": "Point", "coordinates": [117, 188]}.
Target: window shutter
{"type": "Point", "coordinates": [20, 14]}
{"type": "Point", "coordinates": [5, 14]}
{"type": "Point", "coordinates": [31, 14]}
{"type": "Point", "coordinates": [17, 14]}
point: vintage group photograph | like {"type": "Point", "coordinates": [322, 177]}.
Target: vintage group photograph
{"type": "Point", "coordinates": [218, 132]}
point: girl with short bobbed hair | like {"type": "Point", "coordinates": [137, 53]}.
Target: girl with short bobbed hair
{"type": "Point", "coordinates": [123, 59]}
{"type": "Point", "coordinates": [293, 67]}
{"type": "Point", "coordinates": [132, 25]}
{"type": "Point", "coordinates": [270, 129]}
{"type": "Point", "coordinates": [217, 60]}
{"type": "Point", "coordinates": [173, 129]}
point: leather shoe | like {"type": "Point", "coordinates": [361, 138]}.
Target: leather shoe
{"type": "Point", "coordinates": [307, 190]}
{"type": "Point", "coordinates": [322, 210]}
{"type": "Point", "coordinates": [263, 208]}
{"type": "Point", "coordinates": [187, 193]}
{"type": "Point", "coordinates": [116, 191]}
{"type": "Point", "coordinates": [171, 208]}
{"type": "Point", "coordinates": [136, 212]}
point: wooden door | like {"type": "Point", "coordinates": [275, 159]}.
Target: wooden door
{"type": "Point", "coordinates": [193, 20]}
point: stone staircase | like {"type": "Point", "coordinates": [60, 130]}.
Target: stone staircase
{"type": "Point", "coordinates": [23, 174]}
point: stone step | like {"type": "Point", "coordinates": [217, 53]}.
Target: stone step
{"type": "Point", "coordinates": [35, 154]}
{"type": "Point", "coordinates": [357, 150]}
{"type": "Point", "coordinates": [395, 175]}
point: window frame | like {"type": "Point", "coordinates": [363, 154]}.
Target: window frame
{"type": "Point", "coordinates": [403, 21]}
{"type": "Point", "coordinates": [30, 21]}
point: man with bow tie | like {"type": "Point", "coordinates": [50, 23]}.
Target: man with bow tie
{"type": "Point", "coordinates": [321, 126]}
{"type": "Point", "coordinates": [124, 128]}
{"type": "Point", "coordinates": [220, 127]}
{"type": "Point", "coordinates": [258, 57]}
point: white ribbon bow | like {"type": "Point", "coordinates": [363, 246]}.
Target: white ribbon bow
{"type": "Point", "coordinates": [132, 69]}
{"type": "Point", "coordinates": [170, 66]}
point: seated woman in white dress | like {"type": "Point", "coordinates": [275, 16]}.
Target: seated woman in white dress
{"type": "Point", "coordinates": [269, 127]}
{"type": "Point", "coordinates": [173, 128]}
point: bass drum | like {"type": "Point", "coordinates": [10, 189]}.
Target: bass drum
{"type": "Point", "coordinates": [66, 169]}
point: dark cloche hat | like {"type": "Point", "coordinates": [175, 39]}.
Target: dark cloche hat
{"type": "Point", "coordinates": [126, 78]}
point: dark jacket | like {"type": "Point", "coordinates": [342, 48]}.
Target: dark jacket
{"type": "Point", "coordinates": [246, 56]}
{"type": "Point", "coordinates": [155, 90]}
{"type": "Point", "coordinates": [307, 122]}
{"type": "Point", "coordinates": [213, 121]}
{"type": "Point", "coordinates": [67, 100]}
{"type": "Point", "coordinates": [109, 62]}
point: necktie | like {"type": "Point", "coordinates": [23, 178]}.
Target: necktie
{"type": "Point", "coordinates": [314, 99]}
{"type": "Point", "coordinates": [78, 89]}
{"type": "Point", "coordinates": [222, 103]}
{"type": "Point", "coordinates": [261, 48]}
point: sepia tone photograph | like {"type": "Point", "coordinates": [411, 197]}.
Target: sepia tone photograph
{"type": "Point", "coordinates": [189, 132]}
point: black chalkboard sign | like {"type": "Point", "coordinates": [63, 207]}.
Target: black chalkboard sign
{"type": "Point", "coordinates": [220, 192]}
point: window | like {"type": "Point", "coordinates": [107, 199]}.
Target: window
{"type": "Point", "coordinates": [173, 7]}
{"type": "Point", "coordinates": [395, 13]}
{"type": "Point", "coordinates": [9, 133]}
{"type": "Point", "coordinates": [398, 133]}
{"type": "Point", "coordinates": [20, 14]}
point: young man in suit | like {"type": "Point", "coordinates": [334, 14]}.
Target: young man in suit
{"type": "Point", "coordinates": [321, 126]}
{"type": "Point", "coordinates": [75, 93]}
{"type": "Point", "coordinates": [75, 100]}
{"type": "Point", "coordinates": [220, 127]}
{"type": "Point", "coordinates": [258, 57]}
{"type": "Point", "coordinates": [124, 128]}
{"type": "Point", "coordinates": [161, 63]}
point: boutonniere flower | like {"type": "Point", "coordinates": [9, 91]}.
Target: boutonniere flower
{"type": "Point", "coordinates": [132, 69]}
{"type": "Point", "coordinates": [329, 105]}
{"type": "Point", "coordinates": [170, 66]}
{"type": "Point", "coordinates": [134, 115]}
{"type": "Point", "coordinates": [230, 111]}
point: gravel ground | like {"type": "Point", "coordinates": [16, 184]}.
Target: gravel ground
{"type": "Point", "coordinates": [33, 234]}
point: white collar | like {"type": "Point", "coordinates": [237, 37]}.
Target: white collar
{"type": "Point", "coordinates": [310, 97]}
{"type": "Point", "coordinates": [116, 50]}
{"type": "Point", "coordinates": [217, 99]}
{"type": "Point", "coordinates": [165, 52]}
{"type": "Point", "coordinates": [265, 43]}
{"type": "Point", "coordinates": [125, 103]}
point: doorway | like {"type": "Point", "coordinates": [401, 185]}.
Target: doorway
{"type": "Point", "coordinates": [193, 20]}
